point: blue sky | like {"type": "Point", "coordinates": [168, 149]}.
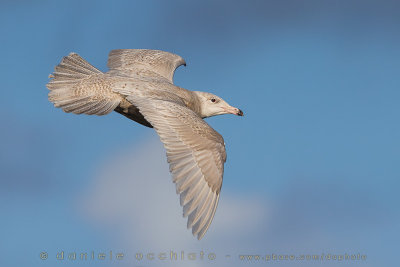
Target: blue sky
{"type": "Point", "coordinates": [316, 155]}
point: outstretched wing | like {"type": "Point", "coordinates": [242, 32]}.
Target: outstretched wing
{"type": "Point", "coordinates": [144, 62]}
{"type": "Point", "coordinates": [196, 154]}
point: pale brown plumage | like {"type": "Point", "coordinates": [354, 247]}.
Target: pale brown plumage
{"type": "Point", "coordinates": [139, 86]}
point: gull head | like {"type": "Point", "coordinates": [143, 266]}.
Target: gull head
{"type": "Point", "coordinates": [212, 105]}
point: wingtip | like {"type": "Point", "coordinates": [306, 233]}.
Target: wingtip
{"type": "Point", "coordinates": [181, 61]}
{"type": "Point", "coordinates": [201, 234]}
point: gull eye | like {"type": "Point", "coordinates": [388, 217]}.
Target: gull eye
{"type": "Point", "coordinates": [213, 100]}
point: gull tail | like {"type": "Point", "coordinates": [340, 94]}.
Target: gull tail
{"type": "Point", "coordinates": [78, 87]}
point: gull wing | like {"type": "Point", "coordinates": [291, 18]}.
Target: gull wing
{"type": "Point", "coordinates": [144, 63]}
{"type": "Point", "coordinates": [196, 155]}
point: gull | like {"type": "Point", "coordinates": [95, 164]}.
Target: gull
{"type": "Point", "coordinates": [139, 85]}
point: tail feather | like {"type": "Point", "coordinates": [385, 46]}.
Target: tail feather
{"type": "Point", "coordinates": [71, 103]}
{"type": "Point", "coordinates": [77, 64]}
{"type": "Point", "coordinates": [79, 87]}
{"type": "Point", "coordinates": [85, 108]}
{"type": "Point", "coordinates": [81, 107]}
{"type": "Point", "coordinates": [71, 68]}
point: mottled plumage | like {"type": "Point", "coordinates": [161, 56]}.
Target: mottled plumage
{"type": "Point", "coordinates": [139, 86]}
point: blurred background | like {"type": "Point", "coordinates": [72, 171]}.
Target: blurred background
{"type": "Point", "coordinates": [312, 168]}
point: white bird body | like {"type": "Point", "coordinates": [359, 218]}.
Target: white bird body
{"type": "Point", "coordinates": [139, 86]}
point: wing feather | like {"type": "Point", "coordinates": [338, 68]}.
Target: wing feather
{"type": "Point", "coordinates": [145, 63]}
{"type": "Point", "coordinates": [196, 154]}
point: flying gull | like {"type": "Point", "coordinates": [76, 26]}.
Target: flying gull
{"type": "Point", "coordinates": [139, 86]}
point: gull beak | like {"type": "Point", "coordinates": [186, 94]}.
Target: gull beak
{"type": "Point", "coordinates": [233, 110]}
